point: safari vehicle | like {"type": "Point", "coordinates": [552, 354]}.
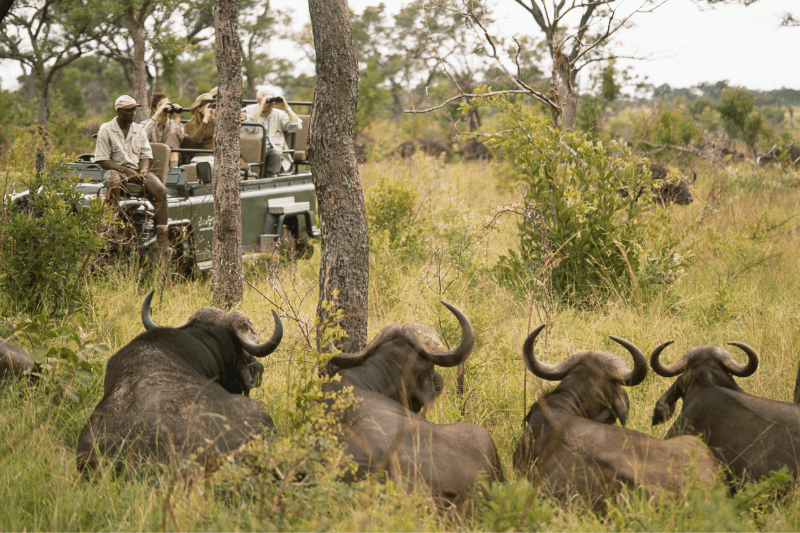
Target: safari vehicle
{"type": "Point", "coordinates": [278, 212]}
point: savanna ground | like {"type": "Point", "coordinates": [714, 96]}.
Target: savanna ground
{"type": "Point", "coordinates": [435, 235]}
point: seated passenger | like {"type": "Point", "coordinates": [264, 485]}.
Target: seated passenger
{"type": "Point", "coordinates": [277, 122]}
{"type": "Point", "coordinates": [164, 126]}
{"type": "Point", "coordinates": [124, 152]}
{"type": "Point", "coordinates": [200, 128]}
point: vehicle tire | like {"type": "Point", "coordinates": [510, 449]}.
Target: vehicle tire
{"type": "Point", "coordinates": [304, 249]}
{"type": "Point", "coordinates": [287, 244]}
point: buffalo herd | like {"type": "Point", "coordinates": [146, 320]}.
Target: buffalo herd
{"type": "Point", "coordinates": [178, 396]}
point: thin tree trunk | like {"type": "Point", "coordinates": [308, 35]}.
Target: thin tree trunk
{"type": "Point", "coordinates": [139, 65]}
{"type": "Point", "coordinates": [331, 151]}
{"type": "Point", "coordinates": [570, 103]}
{"type": "Point", "coordinates": [227, 242]}
{"type": "Point", "coordinates": [44, 104]}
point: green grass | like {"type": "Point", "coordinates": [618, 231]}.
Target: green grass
{"type": "Point", "coordinates": [743, 231]}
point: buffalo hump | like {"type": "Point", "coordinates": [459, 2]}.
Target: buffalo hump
{"type": "Point", "coordinates": [172, 394]}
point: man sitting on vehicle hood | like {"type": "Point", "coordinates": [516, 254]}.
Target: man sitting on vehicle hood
{"type": "Point", "coordinates": [277, 122]}
{"type": "Point", "coordinates": [124, 152]}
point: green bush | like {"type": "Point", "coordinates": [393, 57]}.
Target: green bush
{"type": "Point", "coordinates": [391, 209]}
{"type": "Point", "coordinates": [576, 234]}
{"type": "Point", "coordinates": [46, 243]}
{"type": "Point", "coordinates": [667, 124]}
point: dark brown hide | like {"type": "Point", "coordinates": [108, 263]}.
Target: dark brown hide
{"type": "Point", "coordinates": [475, 150]}
{"type": "Point", "coordinates": [666, 188]}
{"type": "Point", "coordinates": [571, 446]}
{"type": "Point", "coordinates": [751, 435]}
{"type": "Point", "coordinates": [777, 152]}
{"type": "Point", "coordinates": [392, 380]}
{"type": "Point", "coordinates": [172, 392]}
{"type": "Point", "coordinates": [14, 361]}
{"type": "Point", "coordinates": [797, 386]}
{"type": "Point", "coordinates": [432, 147]}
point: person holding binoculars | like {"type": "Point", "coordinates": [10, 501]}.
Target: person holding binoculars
{"type": "Point", "coordinates": [164, 126]}
{"type": "Point", "coordinates": [278, 118]}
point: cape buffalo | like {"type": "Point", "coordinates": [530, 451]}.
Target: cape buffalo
{"type": "Point", "coordinates": [776, 152]}
{"type": "Point", "coordinates": [666, 189]}
{"type": "Point", "coordinates": [14, 361]}
{"type": "Point", "coordinates": [473, 149]}
{"type": "Point", "coordinates": [572, 447]}
{"type": "Point", "coordinates": [392, 379]}
{"type": "Point", "coordinates": [797, 386]}
{"type": "Point", "coordinates": [751, 435]}
{"type": "Point", "coordinates": [173, 392]}
{"type": "Point", "coordinates": [433, 147]}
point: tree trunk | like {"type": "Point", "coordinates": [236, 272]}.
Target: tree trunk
{"type": "Point", "coordinates": [331, 151]}
{"type": "Point", "coordinates": [139, 65]}
{"type": "Point", "coordinates": [227, 244]}
{"type": "Point", "coordinates": [570, 103]}
{"type": "Point", "coordinates": [44, 104]}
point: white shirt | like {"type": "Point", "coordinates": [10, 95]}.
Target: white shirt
{"type": "Point", "coordinates": [276, 123]}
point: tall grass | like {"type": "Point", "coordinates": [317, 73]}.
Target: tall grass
{"type": "Point", "coordinates": [742, 230]}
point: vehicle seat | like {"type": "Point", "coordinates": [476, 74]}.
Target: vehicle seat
{"type": "Point", "coordinates": [160, 164]}
{"type": "Point", "coordinates": [252, 156]}
{"type": "Point", "coordinates": [299, 142]}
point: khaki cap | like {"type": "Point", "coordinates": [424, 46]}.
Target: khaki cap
{"type": "Point", "coordinates": [125, 102]}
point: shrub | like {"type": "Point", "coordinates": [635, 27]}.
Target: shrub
{"type": "Point", "coordinates": [46, 241]}
{"type": "Point", "coordinates": [391, 209]}
{"type": "Point", "coordinates": [576, 234]}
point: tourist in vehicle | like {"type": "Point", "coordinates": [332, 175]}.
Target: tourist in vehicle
{"type": "Point", "coordinates": [200, 128]}
{"type": "Point", "coordinates": [164, 125]}
{"type": "Point", "coordinates": [275, 114]}
{"type": "Point", "coordinates": [124, 152]}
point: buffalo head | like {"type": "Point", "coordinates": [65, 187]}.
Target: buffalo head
{"type": "Point", "coordinates": [221, 328]}
{"type": "Point", "coordinates": [400, 362]}
{"type": "Point", "coordinates": [591, 381]}
{"type": "Point", "coordinates": [702, 365]}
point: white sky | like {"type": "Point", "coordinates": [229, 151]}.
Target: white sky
{"type": "Point", "coordinates": [686, 45]}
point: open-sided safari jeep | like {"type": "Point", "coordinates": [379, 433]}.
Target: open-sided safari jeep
{"type": "Point", "coordinates": [278, 211]}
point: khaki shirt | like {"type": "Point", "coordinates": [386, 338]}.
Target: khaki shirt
{"type": "Point", "coordinates": [170, 133]}
{"type": "Point", "coordinates": [126, 151]}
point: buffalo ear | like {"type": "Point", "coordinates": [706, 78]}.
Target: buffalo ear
{"type": "Point", "coordinates": [665, 406]}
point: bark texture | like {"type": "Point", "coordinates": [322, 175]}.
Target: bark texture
{"type": "Point", "coordinates": [331, 151]}
{"type": "Point", "coordinates": [134, 21]}
{"type": "Point", "coordinates": [227, 243]}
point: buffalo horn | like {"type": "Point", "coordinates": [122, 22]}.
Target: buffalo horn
{"type": "Point", "coordinates": [666, 371]}
{"type": "Point", "coordinates": [639, 372]}
{"type": "Point", "coordinates": [460, 353]}
{"type": "Point", "coordinates": [147, 318]}
{"type": "Point", "coordinates": [544, 370]}
{"type": "Point", "coordinates": [262, 350]}
{"type": "Point", "coordinates": [744, 370]}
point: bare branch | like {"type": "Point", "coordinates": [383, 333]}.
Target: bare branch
{"type": "Point", "coordinates": [465, 96]}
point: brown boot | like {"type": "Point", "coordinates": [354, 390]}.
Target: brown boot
{"type": "Point", "coordinates": [162, 239]}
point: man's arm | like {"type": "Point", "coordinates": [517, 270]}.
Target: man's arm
{"type": "Point", "coordinates": [108, 164]}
